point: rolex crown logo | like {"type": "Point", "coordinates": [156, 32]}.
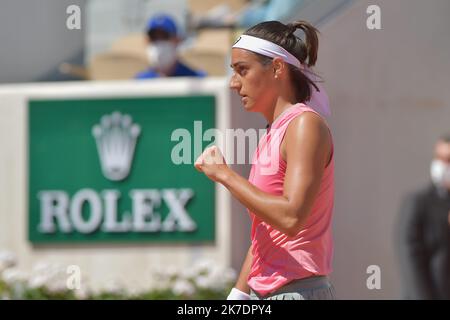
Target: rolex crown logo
{"type": "Point", "coordinates": [116, 138]}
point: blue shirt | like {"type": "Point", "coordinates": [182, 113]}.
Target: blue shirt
{"type": "Point", "coordinates": [181, 70]}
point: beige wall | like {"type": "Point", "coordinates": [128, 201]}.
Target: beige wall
{"type": "Point", "coordinates": [35, 40]}
{"type": "Point", "coordinates": [390, 96]}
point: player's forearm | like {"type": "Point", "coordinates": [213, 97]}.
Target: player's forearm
{"type": "Point", "coordinates": [277, 211]}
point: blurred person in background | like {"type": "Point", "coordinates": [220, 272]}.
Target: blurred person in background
{"type": "Point", "coordinates": [423, 237]}
{"type": "Point", "coordinates": [163, 40]}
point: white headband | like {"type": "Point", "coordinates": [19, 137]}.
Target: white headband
{"type": "Point", "coordinates": [266, 48]}
{"type": "Point", "coordinates": [319, 98]}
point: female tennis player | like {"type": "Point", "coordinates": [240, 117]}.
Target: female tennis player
{"type": "Point", "coordinates": [289, 193]}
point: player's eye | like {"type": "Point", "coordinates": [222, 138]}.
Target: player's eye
{"type": "Point", "coordinates": [242, 71]}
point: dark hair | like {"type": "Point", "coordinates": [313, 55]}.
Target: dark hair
{"type": "Point", "coordinates": [158, 34]}
{"type": "Point", "coordinates": [305, 51]}
{"type": "Point", "coordinates": [445, 138]}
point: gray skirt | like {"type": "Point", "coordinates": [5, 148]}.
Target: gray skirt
{"type": "Point", "coordinates": [312, 288]}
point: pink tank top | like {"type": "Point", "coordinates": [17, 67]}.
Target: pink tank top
{"type": "Point", "coordinates": [277, 258]}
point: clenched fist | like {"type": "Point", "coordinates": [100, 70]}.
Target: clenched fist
{"type": "Point", "coordinates": [212, 163]}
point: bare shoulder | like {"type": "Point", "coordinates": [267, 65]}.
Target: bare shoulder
{"type": "Point", "coordinates": [308, 124]}
{"type": "Point", "coordinates": [306, 132]}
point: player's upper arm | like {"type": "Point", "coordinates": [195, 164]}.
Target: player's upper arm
{"type": "Point", "coordinates": [308, 151]}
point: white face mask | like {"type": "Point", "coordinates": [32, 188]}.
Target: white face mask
{"type": "Point", "coordinates": [162, 54]}
{"type": "Point", "coordinates": [440, 173]}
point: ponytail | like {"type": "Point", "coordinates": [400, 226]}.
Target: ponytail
{"type": "Point", "coordinates": [311, 39]}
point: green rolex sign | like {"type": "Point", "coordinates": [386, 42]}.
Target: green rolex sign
{"type": "Point", "coordinates": [103, 170]}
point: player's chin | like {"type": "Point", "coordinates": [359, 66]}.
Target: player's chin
{"type": "Point", "coordinates": [248, 105]}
